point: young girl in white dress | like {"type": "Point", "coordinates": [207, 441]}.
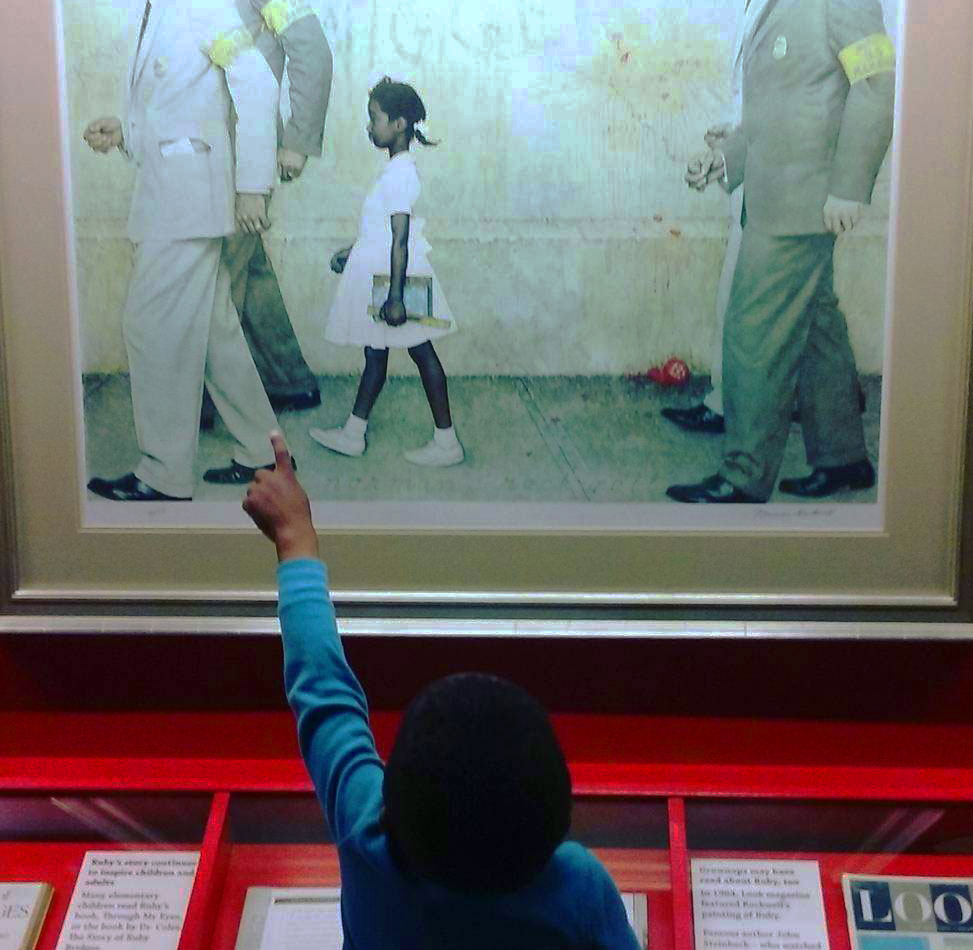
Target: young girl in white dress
{"type": "Point", "coordinates": [390, 242]}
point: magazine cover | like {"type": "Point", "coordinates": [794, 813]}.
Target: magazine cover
{"type": "Point", "coordinates": [908, 913]}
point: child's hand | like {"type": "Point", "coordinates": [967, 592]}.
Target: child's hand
{"type": "Point", "coordinates": [279, 506]}
{"type": "Point", "coordinates": [393, 312]}
{"type": "Point", "coordinates": [339, 259]}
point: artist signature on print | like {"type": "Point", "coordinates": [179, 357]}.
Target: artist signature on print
{"type": "Point", "coordinates": [803, 512]}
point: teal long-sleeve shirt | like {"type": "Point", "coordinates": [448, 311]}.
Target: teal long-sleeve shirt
{"type": "Point", "coordinates": [572, 903]}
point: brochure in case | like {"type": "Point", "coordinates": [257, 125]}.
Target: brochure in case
{"type": "Point", "coordinates": [291, 918]}
{"type": "Point", "coordinates": [22, 909]}
{"type": "Point", "coordinates": [744, 904]}
{"type": "Point", "coordinates": [637, 911]}
{"type": "Point", "coordinates": [129, 899]}
{"type": "Point", "coordinates": [309, 918]}
{"type": "Point", "coordinates": [908, 913]}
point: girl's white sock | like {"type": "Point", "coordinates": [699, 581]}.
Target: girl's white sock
{"type": "Point", "coordinates": [445, 437]}
{"type": "Point", "coordinates": [355, 426]}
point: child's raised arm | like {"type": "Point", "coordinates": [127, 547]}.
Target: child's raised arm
{"type": "Point", "coordinates": [328, 702]}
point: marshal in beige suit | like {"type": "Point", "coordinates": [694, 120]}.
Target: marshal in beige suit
{"type": "Point", "coordinates": [201, 126]}
{"type": "Point", "coordinates": [291, 39]}
{"type": "Point", "coordinates": [818, 91]}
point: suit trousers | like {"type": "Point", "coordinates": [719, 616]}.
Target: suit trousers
{"type": "Point", "coordinates": [266, 325]}
{"type": "Point", "coordinates": [714, 398]}
{"type": "Point", "coordinates": [180, 327]}
{"type": "Point", "coordinates": [785, 334]}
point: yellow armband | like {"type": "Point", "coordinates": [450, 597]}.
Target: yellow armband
{"type": "Point", "coordinates": [868, 57]}
{"type": "Point", "coordinates": [226, 47]}
{"type": "Point", "coordinates": [280, 14]}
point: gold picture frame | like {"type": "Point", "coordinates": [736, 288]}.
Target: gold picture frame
{"type": "Point", "coordinates": [58, 575]}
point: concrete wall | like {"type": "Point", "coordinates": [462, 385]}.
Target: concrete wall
{"type": "Point", "coordinates": [562, 232]}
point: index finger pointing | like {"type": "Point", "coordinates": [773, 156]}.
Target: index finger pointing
{"type": "Point", "coordinates": [282, 455]}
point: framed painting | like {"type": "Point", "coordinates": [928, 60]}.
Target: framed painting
{"type": "Point", "coordinates": [594, 206]}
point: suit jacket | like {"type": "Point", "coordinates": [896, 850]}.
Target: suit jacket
{"type": "Point", "coordinates": [179, 121]}
{"type": "Point", "coordinates": [806, 133]}
{"type": "Point", "coordinates": [289, 35]}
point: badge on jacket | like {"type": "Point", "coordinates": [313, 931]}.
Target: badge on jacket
{"type": "Point", "coordinates": [780, 47]}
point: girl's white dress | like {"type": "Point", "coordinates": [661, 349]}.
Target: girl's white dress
{"type": "Point", "coordinates": [349, 322]}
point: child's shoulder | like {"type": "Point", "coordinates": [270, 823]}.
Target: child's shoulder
{"type": "Point", "coordinates": [576, 881]}
{"type": "Point", "coordinates": [402, 165]}
{"type": "Point", "coordinates": [574, 851]}
{"type": "Point", "coordinates": [401, 178]}
{"type": "Point", "coordinates": [576, 861]}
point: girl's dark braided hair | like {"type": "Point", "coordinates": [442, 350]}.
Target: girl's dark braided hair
{"type": "Point", "coordinates": [398, 100]}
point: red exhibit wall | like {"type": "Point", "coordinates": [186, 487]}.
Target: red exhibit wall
{"type": "Point", "coordinates": [857, 680]}
{"type": "Point", "coordinates": [646, 724]}
{"type": "Point", "coordinates": [230, 689]}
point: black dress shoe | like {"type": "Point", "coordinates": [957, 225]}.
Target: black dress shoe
{"type": "Point", "coordinates": [826, 480]}
{"type": "Point", "coordinates": [713, 490]}
{"type": "Point", "coordinates": [237, 474]}
{"type": "Point", "coordinates": [696, 419]}
{"type": "Point", "coordinates": [296, 401]}
{"type": "Point", "coordinates": [128, 488]}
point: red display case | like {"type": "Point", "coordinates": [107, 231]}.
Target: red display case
{"type": "Point", "coordinates": [885, 799]}
{"type": "Point", "coordinates": [858, 756]}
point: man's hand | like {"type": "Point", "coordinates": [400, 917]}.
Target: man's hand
{"type": "Point", "coordinates": [716, 134]}
{"type": "Point", "coordinates": [339, 259]}
{"type": "Point", "coordinates": [704, 169]}
{"type": "Point", "coordinates": [290, 164]}
{"type": "Point", "coordinates": [103, 135]}
{"type": "Point", "coordinates": [393, 312]}
{"type": "Point", "coordinates": [279, 506]}
{"type": "Point", "coordinates": [251, 213]}
{"type": "Point", "coordinates": [841, 215]}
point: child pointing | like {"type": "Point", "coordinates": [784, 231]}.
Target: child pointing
{"type": "Point", "coordinates": [458, 841]}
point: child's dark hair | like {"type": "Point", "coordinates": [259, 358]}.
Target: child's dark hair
{"type": "Point", "coordinates": [477, 793]}
{"type": "Point", "coordinates": [398, 100]}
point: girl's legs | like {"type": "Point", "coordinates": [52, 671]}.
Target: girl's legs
{"type": "Point", "coordinates": [349, 439]}
{"type": "Point", "coordinates": [445, 448]}
{"type": "Point", "coordinates": [372, 380]}
{"type": "Point", "coordinates": [433, 382]}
